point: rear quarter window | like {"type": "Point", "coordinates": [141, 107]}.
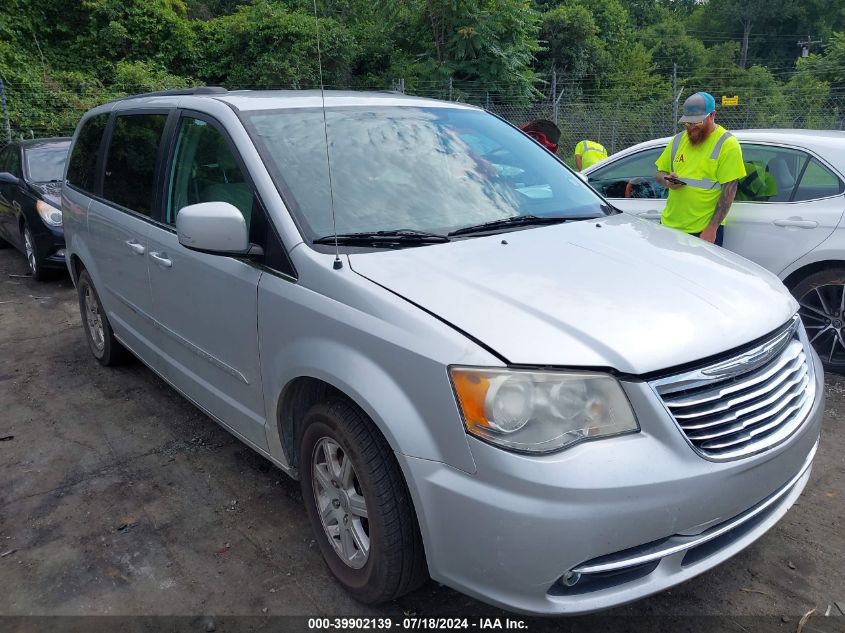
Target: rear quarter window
{"type": "Point", "coordinates": [82, 166]}
{"type": "Point", "coordinates": [818, 182]}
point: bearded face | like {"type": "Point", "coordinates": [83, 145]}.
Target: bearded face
{"type": "Point", "coordinates": [698, 133]}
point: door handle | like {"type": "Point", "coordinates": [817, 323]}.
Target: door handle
{"type": "Point", "coordinates": [161, 260]}
{"type": "Point", "coordinates": [135, 247]}
{"type": "Point", "coordinates": [650, 215]}
{"type": "Point", "coordinates": [797, 223]}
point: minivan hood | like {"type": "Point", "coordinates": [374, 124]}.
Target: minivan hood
{"type": "Point", "coordinates": [617, 292]}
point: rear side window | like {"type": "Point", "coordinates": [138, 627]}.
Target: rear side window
{"type": "Point", "coordinates": [130, 163]}
{"type": "Point", "coordinates": [817, 182]}
{"type": "Point", "coordinates": [771, 173]}
{"type": "Point", "coordinates": [82, 168]}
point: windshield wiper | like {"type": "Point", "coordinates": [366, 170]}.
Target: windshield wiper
{"type": "Point", "coordinates": [517, 220]}
{"type": "Point", "coordinates": [384, 238]}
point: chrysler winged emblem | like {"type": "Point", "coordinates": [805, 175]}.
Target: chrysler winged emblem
{"type": "Point", "coordinates": [754, 358]}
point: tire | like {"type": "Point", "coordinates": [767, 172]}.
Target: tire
{"type": "Point", "coordinates": [33, 257]}
{"type": "Point", "coordinates": [4, 244]}
{"type": "Point", "coordinates": [104, 346]}
{"type": "Point", "coordinates": [394, 563]}
{"type": "Point", "coordinates": [821, 296]}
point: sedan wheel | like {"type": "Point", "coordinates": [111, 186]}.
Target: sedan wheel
{"type": "Point", "coordinates": [821, 297]}
{"type": "Point", "coordinates": [32, 255]}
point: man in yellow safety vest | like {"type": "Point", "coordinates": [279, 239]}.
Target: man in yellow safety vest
{"type": "Point", "coordinates": [589, 153]}
{"type": "Point", "coordinates": [702, 167]}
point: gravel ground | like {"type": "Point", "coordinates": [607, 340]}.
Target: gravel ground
{"type": "Point", "coordinates": [118, 497]}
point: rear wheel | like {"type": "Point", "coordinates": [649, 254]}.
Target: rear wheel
{"type": "Point", "coordinates": [358, 504]}
{"type": "Point", "coordinates": [822, 300]}
{"type": "Point", "coordinates": [105, 347]}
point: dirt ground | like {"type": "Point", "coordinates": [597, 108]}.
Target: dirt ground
{"type": "Point", "coordinates": [118, 497]}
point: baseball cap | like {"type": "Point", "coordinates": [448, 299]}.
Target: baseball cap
{"type": "Point", "coordinates": [697, 107]}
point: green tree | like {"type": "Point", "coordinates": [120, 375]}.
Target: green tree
{"type": "Point", "coordinates": [136, 30]}
{"type": "Point", "coordinates": [489, 43]}
{"type": "Point", "coordinates": [570, 39]}
{"type": "Point", "coordinates": [263, 44]}
{"type": "Point", "coordinates": [669, 45]}
{"type": "Point", "coordinates": [829, 66]}
{"type": "Point", "coordinates": [740, 18]}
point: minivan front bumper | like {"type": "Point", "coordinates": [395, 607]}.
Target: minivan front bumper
{"type": "Point", "coordinates": [624, 517]}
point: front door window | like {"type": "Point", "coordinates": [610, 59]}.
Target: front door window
{"type": "Point", "coordinates": [205, 170]}
{"type": "Point", "coordinates": [630, 177]}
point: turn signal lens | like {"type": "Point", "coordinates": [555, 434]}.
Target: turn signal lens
{"type": "Point", "coordinates": [540, 411]}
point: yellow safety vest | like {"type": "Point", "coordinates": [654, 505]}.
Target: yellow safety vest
{"type": "Point", "coordinates": [590, 153]}
{"type": "Point", "coordinates": [705, 168]}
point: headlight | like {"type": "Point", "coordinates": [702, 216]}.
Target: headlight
{"type": "Point", "coordinates": [541, 411]}
{"type": "Point", "coordinates": [50, 214]}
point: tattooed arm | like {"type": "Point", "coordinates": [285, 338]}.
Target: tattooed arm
{"type": "Point", "coordinates": [722, 207]}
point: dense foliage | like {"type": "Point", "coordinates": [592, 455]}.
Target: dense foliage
{"type": "Point", "coordinates": [58, 57]}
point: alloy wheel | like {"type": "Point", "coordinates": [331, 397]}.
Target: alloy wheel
{"type": "Point", "coordinates": [30, 250]}
{"type": "Point", "coordinates": [823, 313]}
{"type": "Point", "coordinates": [93, 318]}
{"type": "Point", "coordinates": [340, 502]}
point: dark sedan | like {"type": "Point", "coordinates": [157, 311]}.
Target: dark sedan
{"type": "Point", "coordinates": [30, 206]}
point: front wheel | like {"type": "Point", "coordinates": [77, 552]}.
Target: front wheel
{"type": "Point", "coordinates": [33, 257]}
{"type": "Point", "coordinates": [358, 504]}
{"type": "Point", "coordinates": [821, 297]}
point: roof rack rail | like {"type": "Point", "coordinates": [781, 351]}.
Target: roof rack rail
{"type": "Point", "coordinates": [178, 92]}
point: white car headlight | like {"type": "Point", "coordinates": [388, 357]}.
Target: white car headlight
{"type": "Point", "coordinates": [541, 411]}
{"type": "Point", "coordinates": [50, 214]}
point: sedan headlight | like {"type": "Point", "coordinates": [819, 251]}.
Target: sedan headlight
{"type": "Point", "coordinates": [50, 214]}
{"type": "Point", "coordinates": [541, 411]}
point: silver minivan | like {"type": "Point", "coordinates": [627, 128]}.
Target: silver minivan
{"type": "Point", "coordinates": [478, 369]}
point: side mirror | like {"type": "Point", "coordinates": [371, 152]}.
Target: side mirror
{"type": "Point", "coordinates": [213, 227]}
{"type": "Point", "coordinates": [8, 179]}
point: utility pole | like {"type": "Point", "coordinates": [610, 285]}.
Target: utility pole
{"type": "Point", "coordinates": [5, 112]}
{"type": "Point", "coordinates": [554, 95]}
{"type": "Point", "coordinates": [806, 44]}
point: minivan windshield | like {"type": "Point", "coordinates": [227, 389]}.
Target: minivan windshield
{"type": "Point", "coordinates": [412, 169]}
{"type": "Point", "coordinates": [46, 163]}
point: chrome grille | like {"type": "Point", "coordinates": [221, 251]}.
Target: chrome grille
{"type": "Point", "coordinates": [748, 403]}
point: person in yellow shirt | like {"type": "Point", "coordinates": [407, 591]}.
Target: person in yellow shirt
{"type": "Point", "coordinates": [701, 167]}
{"type": "Point", "coordinates": [589, 153]}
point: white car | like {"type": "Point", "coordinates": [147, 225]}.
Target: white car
{"type": "Point", "coordinates": [787, 216]}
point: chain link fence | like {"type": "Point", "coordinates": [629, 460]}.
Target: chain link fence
{"type": "Point", "coordinates": [616, 125]}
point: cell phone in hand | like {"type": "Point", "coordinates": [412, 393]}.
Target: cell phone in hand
{"type": "Point", "coordinates": [673, 180]}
